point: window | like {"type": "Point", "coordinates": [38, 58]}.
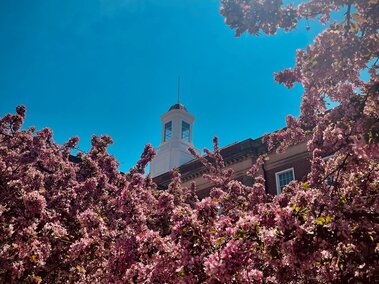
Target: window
{"type": "Point", "coordinates": [283, 178]}
{"type": "Point", "coordinates": [167, 131]}
{"type": "Point", "coordinates": [185, 131]}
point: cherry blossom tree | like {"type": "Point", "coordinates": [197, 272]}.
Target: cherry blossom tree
{"type": "Point", "coordinates": [68, 219]}
{"type": "Point", "coordinates": [335, 237]}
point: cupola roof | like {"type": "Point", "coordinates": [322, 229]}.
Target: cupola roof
{"type": "Point", "coordinates": [178, 106]}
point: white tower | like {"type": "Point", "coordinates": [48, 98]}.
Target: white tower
{"type": "Point", "coordinates": [176, 139]}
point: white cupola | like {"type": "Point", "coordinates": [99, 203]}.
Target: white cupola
{"type": "Point", "coordinates": [176, 139]}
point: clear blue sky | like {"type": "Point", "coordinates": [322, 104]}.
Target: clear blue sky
{"type": "Point", "coordinates": [111, 67]}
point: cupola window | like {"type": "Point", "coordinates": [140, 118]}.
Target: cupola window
{"type": "Point", "coordinates": [185, 131]}
{"type": "Point", "coordinates": [167, 131]}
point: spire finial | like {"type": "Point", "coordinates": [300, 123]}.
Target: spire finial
{"type": "Point", "coordinates": [178, 89]}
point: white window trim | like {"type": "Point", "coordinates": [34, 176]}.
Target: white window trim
{"type": "Point", "coordinates": [327, 157]}
{"type": "Point", "coordinates": [278, 191]}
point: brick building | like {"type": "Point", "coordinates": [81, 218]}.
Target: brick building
{"type": "Point", "coordinates": [278, 169]}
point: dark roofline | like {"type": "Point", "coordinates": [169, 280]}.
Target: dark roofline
{"type": "Point", "coordinates": [178, 106]}
{"type": "Point", "coordinates": [231, 153]}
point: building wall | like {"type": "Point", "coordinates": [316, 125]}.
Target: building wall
{"type": "Point", "coordinates": [241, 157]}
{"type": "Point", "coordinates": [296, 157]}
{"type": "Point", "coordinates": [240, 168]}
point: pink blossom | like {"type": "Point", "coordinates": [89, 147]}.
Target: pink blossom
{"type": "Point", "coordinates": [34, 203]}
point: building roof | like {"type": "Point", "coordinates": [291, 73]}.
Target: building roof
{"type": "Point", "coordinates": [178, 106]}
{"type": "Point", "coordinates": [231, 154]}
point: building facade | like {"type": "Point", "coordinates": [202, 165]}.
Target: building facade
{"type": "Point", "coordinates": [278, 169]}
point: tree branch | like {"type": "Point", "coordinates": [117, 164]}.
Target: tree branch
{"type": "Point", "coordinates": [348, 19]}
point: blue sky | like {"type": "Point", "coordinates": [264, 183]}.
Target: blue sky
{"type": "Point", "coordinates": [111, 66]}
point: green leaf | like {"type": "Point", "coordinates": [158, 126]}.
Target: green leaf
{"type": "Point", "coordinates": [240, 234]}
{"type": "Point", "coordinates": [323, 220]}
{"type": "Point", "coordinates": [320, 220]}
{"type": "Point", "coordinates": [354, 229]}
{"type": "Point", "coordinates": [327, 219]}
{"type": "Point", "coordinates": [181, 272]}
{"type": "Point", "coordinates": [220, 241]}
